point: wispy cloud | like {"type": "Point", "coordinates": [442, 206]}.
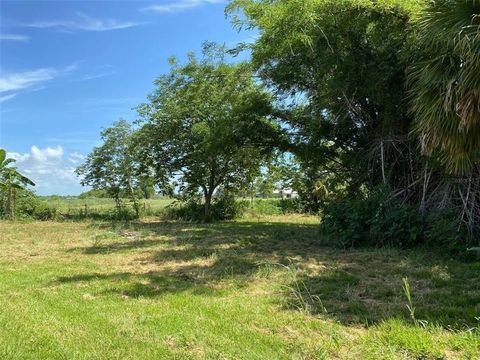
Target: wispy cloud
{"type": "Point", "coordinates": [177, 6]}
{"type": "Point", "coordinates": [22, 80]}
{"type": "Point", "coordinates": [83, 23]}
{"type": "Point", "coordinates": [96, 76]}
{"type": "Point", "coordinates": [7, 97]}
{"type": "Point", "coordinates": [12, 83]}
{"type": "Point", "coordinates": [14, 37]}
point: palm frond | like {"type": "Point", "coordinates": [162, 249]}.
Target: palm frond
{"type": "Point", "coordinates": [445, 86]}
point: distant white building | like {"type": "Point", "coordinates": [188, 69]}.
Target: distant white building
{"type": "Point", "coordinates": [286, 193]}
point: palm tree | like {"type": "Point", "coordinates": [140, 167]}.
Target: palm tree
{"type": "Point", "coordinates": [10, 181]}
{"type": "Point", "coordinates": [445, 86]}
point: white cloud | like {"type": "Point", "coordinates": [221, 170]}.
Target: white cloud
{"type": "Point", "coordinates": [7, 97]}
{"type": "Point", "coordinates": [11, 83]}
{"type": "Point", "coordinates": [177, 6]}
{"type": "Point", "coordinates": [14, 37]}
{"type": "Point", "coordinates": [76, 158]}
{"type": "Point", "coordinates": [50, 168]}
{"type": "Point", "coordinates": [96, 76]}
{"type": "Point", "coordinates": [83, 23]}
{"type": "Point", "coordinates": [17, 81]}
{"type": "Point", "coordinates": [47, 154]}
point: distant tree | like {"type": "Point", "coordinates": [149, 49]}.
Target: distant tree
{"type": "Point", "coordinates": [112, 166]}
{"type": "Point", "coordinates": [205, 126]}
{"type": "Point", "coordinates": [94, 193]}
{"type": "Point", "coordinates": [146, 186]}
{"type": "Point", "coordinates": [446, 83]}
{"type": "Point", "coordinates": [10, 181]}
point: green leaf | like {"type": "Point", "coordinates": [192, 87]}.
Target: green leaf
{"type": "Point", "coordinates": [17, 186]}
{"type": "Point", "coordinates": [25, 180]}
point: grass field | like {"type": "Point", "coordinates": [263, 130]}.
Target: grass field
{"type": "Point", "coordinates": [252, 289]}
{"type": "Point", "coordinates": [75, 205]}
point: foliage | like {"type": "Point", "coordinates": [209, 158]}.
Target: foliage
{"type": "Point", "coordinates": [95, 193]}
{"type": "Point", "coordinates": [338, 70]}
{"type": "Point", "coordinates": [224, 207]}
{"type": "Point", "coordinates": [446, 83]}
{"type": "Point", "coordinates": [371, 220]}
{"type": "Point", "coordinates": [143, 190]}
{"type": "Point", "coordinates": [113, 166]}
{"type": "Point", "coordinates": [206, 126]}
{"type": "Point", "coordinates": [378, 220]}
{"type": "Point", "coordinates": [444, 230]}
{"type": "Point", "coordinates": [397, 225]}
{"type": "Point", "coordinates": [11, 182]}
{"type": "Point", "coordinates": [31, 206]}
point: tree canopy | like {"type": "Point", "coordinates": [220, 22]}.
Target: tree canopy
{"type": "Point", "coordinates": [340, 69]}
{"type": "Point", "coordinates": [113, 165]}
{"type": "Point", "coordinates": [206, 126]}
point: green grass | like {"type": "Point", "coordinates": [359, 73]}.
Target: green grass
{"type": "Point", "coordinates": [76, 207]}
{"type": "Point", "coordinates": [252, 289]}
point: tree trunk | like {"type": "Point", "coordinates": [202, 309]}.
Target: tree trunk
{"type": "Point", "coordinates": [118, 202]}
{"type": "Point", "coordinates": [208, 206]}
{"type": "Point", "coordinates": [136, 205]}
{"type": "Point", "coordinates": [10, 207]}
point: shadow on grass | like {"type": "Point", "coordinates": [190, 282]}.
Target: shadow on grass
{"type": "Point", "coordinates": [351, 287]}
{"type": "Point", "coordinates": [149, 284]}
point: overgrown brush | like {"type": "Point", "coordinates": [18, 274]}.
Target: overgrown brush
{"type": "Point", "coordinates": [378, 220]}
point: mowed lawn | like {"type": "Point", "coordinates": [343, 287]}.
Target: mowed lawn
{"type": "Point", "coordinates": [252, 289]}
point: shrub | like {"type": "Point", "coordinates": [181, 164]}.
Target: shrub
{"type": "Point", "coordinates": [378, 220]}
{"type": "Point", "coordinates": [29, 206]}
{"type": "Point", "coordinates": [227, 207]}
{"type": "Point", "coordinates": [123, 213]}
{"type": "Point", "coordinates": [291, 206]}
{"type": "Point", "coordinates": [397, 225]}
{"type": "Point", "coordinates": [264, 207]}
{"type": "Point", "coordinates": [372, 220]}
{"type": "Point", "coordinates": [446, 231]}
{"type": "Point", "coordinates": [345, 222]}
{"type": "Point", "coordinates": [224, 207]}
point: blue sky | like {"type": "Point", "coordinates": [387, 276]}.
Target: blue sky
{"type": "Point", "coordinates": [69, 68]}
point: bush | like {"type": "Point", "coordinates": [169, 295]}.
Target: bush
{"type": "Point", "coordinates": [264, 207]}
{"type": "Point", "coordinates": [274, 207]}
{"type": "Point", "coordinates": [291, 206]}
{"type": "Point", "coordinates": [124, 213]}
{"type": "Point", "coordinates": [224, 207]}
{"type": "Point", "coordinates": [29, 206]}
{"type": "Point", "coordinates": [345, 222]}
{"type": "Point", "coordinates": [372, 220]}
{"type": "Point", "coordinates": [227, 207]}
{"type": "Point", "coordinates": [377, 220]}
{"type": "Point", "coordinates": [397, 225]}
{"type": "Point", "coordinates": [446, 231]}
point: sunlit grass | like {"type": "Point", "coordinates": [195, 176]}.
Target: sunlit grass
{"type": "Point", "coordinates": [258, 288]}
{"type": "Point", "coordinates": [75, 204]}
